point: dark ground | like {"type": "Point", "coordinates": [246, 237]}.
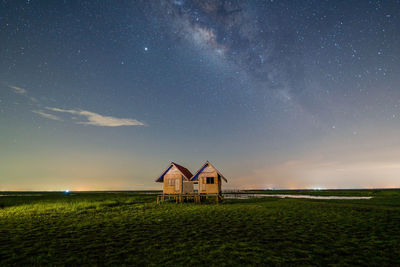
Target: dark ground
{"type": "Point", "coordinates": [129, 228]}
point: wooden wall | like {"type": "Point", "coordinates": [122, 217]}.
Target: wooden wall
{"type": "Point", "coordinates": [172, 181]}
{"type": "Point", "coordinates": [188, 187]}
{"type": "Point", "coordinates": [172, 184]}
{"type": "Point", "coordinates": [205, 188]}
{"type": "Point", "coordinates": [175, 183]}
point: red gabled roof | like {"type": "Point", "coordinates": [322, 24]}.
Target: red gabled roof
{"type": "Point", "coordinates": [183, 170]}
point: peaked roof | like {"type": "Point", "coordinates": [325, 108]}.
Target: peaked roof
{"type": "Point", "coordinates": [196, 175]}
{"type": "Point", "coordinates": [185, 172]}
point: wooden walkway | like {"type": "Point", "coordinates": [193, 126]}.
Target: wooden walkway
{"type": "Point", "coordinates": [196, 198]}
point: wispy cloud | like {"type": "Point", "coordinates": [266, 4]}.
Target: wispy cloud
{"type": "Point", "coordinates": [47, 115]}
{"type": "Point", "coordinates": [18, 90]}
{"type": "Point", "coordinates": [97, 119]}
{"type": "Point", "coordinates": [22, 91]}
{"type": "Point", "coordinates": [92, 118]}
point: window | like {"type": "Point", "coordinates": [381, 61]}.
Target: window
{"type": "Point", "coordinates": [171, 182]}
{"type": "Point", "coordinates": [210, 180]}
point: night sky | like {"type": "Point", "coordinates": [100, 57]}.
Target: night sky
{"type": "Point", "coordinates": [98, 95]}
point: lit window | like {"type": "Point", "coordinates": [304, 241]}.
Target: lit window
{"type": "Point", "coordinates": [171, 182]}
{"type": "Point", "coordinates": [210, 180]}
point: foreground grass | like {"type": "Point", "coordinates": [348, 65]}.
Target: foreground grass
{"type": "Point", "coordinates": [129, 228]}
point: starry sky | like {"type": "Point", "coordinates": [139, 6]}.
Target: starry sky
{"type": "Point", "coordinates": [102, 95]}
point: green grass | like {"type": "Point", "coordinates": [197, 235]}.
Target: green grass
{"type": "Point", "coordinates": [129, 228]}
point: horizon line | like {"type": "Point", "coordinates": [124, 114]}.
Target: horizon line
{"type": "Point", "coordinates": [160, 190]}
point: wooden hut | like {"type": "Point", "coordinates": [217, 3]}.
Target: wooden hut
{"type": "Point", "coordinates": [176, 180]}
{"type": "Point", "coordinates": [209, 180]}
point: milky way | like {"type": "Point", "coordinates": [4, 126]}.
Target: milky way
{"type": "Point", "coordinates": [239, 32]}
{"type": "Point", "coordinates": [276, 45]}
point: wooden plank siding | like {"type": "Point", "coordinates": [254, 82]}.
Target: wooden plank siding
{"type": "Point", "coordinates": [174, 181]}
{"type": "Point", "coordinates": [205, 188]}
{"type": "Point", "coordinates": [209, 180]}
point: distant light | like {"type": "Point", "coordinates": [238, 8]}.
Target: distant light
{"type": "Point", "coordinates": [318, 188]}
{"type": "Point", "coordinates": [145, 49]}
{"type": "Point", "coordinates": [67, 191]}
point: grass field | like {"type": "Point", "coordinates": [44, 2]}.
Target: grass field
{"type": "Point", "coordinates": [129, 228]}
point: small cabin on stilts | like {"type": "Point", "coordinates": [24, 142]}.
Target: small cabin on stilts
{"type": "Point", "coordinates": [176, 181]}
{"type": "Point", "coordinates": [209, 181]}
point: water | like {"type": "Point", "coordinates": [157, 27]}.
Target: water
{"type": "Point", "coordinates": [247, 196]}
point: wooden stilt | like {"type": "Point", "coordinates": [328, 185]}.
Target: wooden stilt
{"type": "Point", "coordinates": [182, 198]}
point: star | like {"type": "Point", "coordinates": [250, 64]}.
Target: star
{"type": "Point", "coordinates": [146, 48]}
